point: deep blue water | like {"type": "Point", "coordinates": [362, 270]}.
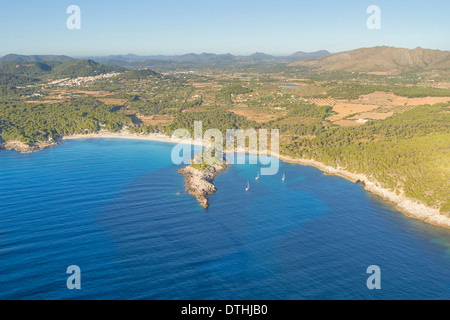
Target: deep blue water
{"type": "Point", "coordinates": [111, 207]}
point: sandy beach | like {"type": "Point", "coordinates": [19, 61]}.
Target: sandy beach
{"type": "Point", "coordinates": [127, 135]}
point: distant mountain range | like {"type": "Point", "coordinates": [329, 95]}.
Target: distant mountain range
{"type": "Point", "coordinates": [366, 60]}
{"type": "Point", "coordinates": [299, 55]}
{"type": "Point", "coordinates": [206, 57]}
{"type": "Point", "coordinates": [381, 59]}
{"type": "Point", "coordinates": [186, 58]}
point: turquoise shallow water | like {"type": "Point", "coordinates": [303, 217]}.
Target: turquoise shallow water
{"type": "Point", "coordinates": [111, 207]}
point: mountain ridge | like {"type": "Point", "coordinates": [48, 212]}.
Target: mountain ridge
{"type": "Point", "coordinates": [12, 57]}
{"type": "Point", "coordinates": [187, 57]}
{"type": "Point", "coordinates": [380, 59]}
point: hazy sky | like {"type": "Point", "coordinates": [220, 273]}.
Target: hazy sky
{"type": "Point", "coordinates": [229, 26]}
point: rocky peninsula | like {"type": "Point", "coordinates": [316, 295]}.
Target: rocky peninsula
{"type": "Point", "coordinates": [199, 180]}
{"type": "Point", "coordinates": [25, 148]}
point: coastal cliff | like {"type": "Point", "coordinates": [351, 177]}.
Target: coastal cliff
{"type": "Point", "coordinates": [199, 181]}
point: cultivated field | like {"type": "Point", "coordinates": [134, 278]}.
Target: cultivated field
{"type": "Point", "coordinates": [259, 116]}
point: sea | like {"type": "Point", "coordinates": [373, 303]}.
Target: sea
{"type": "Point", "coordinates": [120, 212]}
{"type": "Point", "coordinates": [291, 85]}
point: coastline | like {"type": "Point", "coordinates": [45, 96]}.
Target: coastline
{"type": "Point", "coordinates": [408, 206]}
{"type": "Point", "coordinates": [131, 136]}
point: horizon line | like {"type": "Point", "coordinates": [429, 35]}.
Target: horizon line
{"type": "Point", "coordinates": [206, 52]}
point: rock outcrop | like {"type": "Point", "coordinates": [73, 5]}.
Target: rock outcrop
{"type": "Point", "coordinates": [24, 148]}
{"type": "Point", "coordinates": [199, 182]}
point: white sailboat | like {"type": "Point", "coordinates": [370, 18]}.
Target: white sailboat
{"type": "Point", "coordinates": [248, 186]}
{"type": "Point", "coordinates": [284, 177]}
{"type": "Point", "coordinates": [257, 178]}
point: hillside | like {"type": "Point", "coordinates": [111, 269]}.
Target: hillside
{"type": "Point", "coordinates": [70, 68]}
{"type": "Point", "coordinates": [308, 55]}
{"type": "Point", "coordinates": [140, 74]}
{"type": "Point", "coordinates": [407, 153]}
{"type": "Point", "coordinates": [83, 68]}
{"type": "Point", "coordinates": [31, 68]}
{"type": "Point", "coordinates": [381, 60]}
{"type": "Point", "coordinates": [34, 58]}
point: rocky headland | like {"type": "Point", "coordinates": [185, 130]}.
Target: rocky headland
{"type": "Point", "coordinates": [199, 181]}
{"type": "Point", "coordinates": [25, 148]}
